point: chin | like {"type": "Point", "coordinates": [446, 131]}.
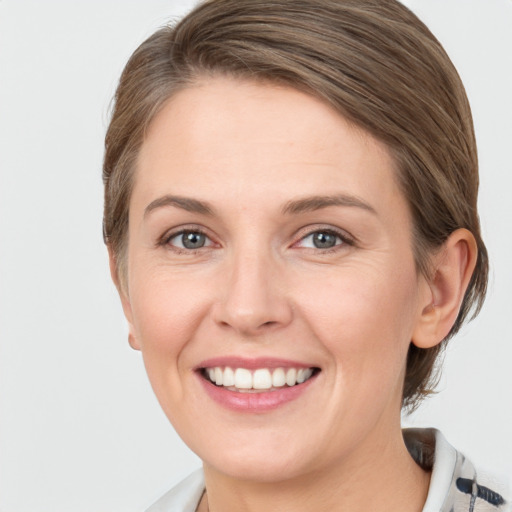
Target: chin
{"type": "Point", "coordinates": [265, 455]}
{"type": "Point", "coordinates": [270, 468]}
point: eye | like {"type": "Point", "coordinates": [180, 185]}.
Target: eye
{"type": "Point", "coordinates": [322, 239]}
{"type": "Point", "coordinates": [189, 240]}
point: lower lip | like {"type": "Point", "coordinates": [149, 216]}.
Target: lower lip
{"type": "Point", "coordinates": [260, 401]}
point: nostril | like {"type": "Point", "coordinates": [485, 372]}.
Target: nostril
{"type": "Point", "coordinates": [250, 312]}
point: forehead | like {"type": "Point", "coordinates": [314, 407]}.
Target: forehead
{"type": "Point", "coordinates": [225, 137]}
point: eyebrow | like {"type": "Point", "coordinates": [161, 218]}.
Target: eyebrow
{"type": "Point", "coordinates": [308, 204]}
{"type": "Point", "coordinates": [296, 206]}
{"type": "Point", "coordinates": [185, 203]}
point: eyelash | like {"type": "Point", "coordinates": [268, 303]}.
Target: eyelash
{"type": "Point", "coordinates": [345, 239]}
{"type": "Point", "coordinates": [165, 240]}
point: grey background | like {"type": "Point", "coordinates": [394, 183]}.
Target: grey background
{"type": "Point", "coordinates": [79, 427]}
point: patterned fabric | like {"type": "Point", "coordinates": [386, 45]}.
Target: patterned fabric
{"type": "Point", "coordinates": [455, 485]}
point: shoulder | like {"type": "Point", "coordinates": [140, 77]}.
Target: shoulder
{"type": "Point", "coordinates": [184, 497]}
{"type": "Point", "coordinates": [455, 485]}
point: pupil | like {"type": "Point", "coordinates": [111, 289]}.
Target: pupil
{"type": "Point", "coordinates": [193, 240]}
{"type": "Point", "coordinates": [324, 240]}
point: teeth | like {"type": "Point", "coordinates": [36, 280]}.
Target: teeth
{"type": "Point", "coordinates": [243, 378]}
{"type": "Point", "coordinates": [304, 374]}
{"type": "Point", "coordinates": [229, 377]}
{"type": "Point", "coordinates": [260, 379]}
{"type": "Point", "coordinates": [278, 378]}
{"type": "Point", "coordinates": [291, 377]}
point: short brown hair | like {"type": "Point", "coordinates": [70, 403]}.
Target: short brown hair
{"type": "Point", "coordinates": [373, 61]}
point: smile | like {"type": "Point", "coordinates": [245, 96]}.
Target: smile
{"type": "Point", "coordinates": [255, 385]}
{"type": "Point", "coordinates": [244, 380]}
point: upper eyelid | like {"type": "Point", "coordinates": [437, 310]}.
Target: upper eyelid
{"type": "Point", "coordinates": [183, 231]}
{"type": "Point", "coordinates": [168, 235]}
{"type": "Point", "coordinates": [310, 230]}
{"type": "Point", "coordinates": [325, 231]}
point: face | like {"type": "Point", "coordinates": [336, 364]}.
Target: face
{"type": "Point", "coordinates": [270, 251]}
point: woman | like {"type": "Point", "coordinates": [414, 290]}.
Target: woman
{"type": "Point", "coordinates": [290, 213]}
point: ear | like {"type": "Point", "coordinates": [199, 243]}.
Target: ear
{"type": "Point", "coordinates": [123, 295]}
{"type": "Point", "coordinates": [453, 267]}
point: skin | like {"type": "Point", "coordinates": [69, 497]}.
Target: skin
{"type": "Point", "coordinates": [260, 288]}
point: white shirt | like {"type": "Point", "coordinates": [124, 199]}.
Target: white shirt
{"type": "Point", "coordinates": [454, 484]}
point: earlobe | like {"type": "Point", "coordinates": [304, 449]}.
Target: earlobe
{"type": "Point", "coordinates": [453, 267]}
{"type": "Point", "coordinates": [132, 340]}
{"type": "Point", "coordinates": [125, 300]}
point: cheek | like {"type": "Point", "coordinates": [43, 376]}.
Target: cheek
{"type": "Point", "coordinates": [166, 315]}
{"type": "Point", "coordinates": [365, 320]}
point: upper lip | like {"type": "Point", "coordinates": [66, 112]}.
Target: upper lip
{"type": "Point", "coordinates": [252, 363]}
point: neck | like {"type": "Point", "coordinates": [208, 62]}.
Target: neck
{"type": "Point", "coordinates": [379, 479]}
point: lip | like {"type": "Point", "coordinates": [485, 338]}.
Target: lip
{"type": "Point", "coordinates": [252, 363]}
{"type": "Point", "coordinates": [253, 402]}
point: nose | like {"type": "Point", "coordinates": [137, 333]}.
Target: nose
{"type": "Point", "coordinates": [253, 296]}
